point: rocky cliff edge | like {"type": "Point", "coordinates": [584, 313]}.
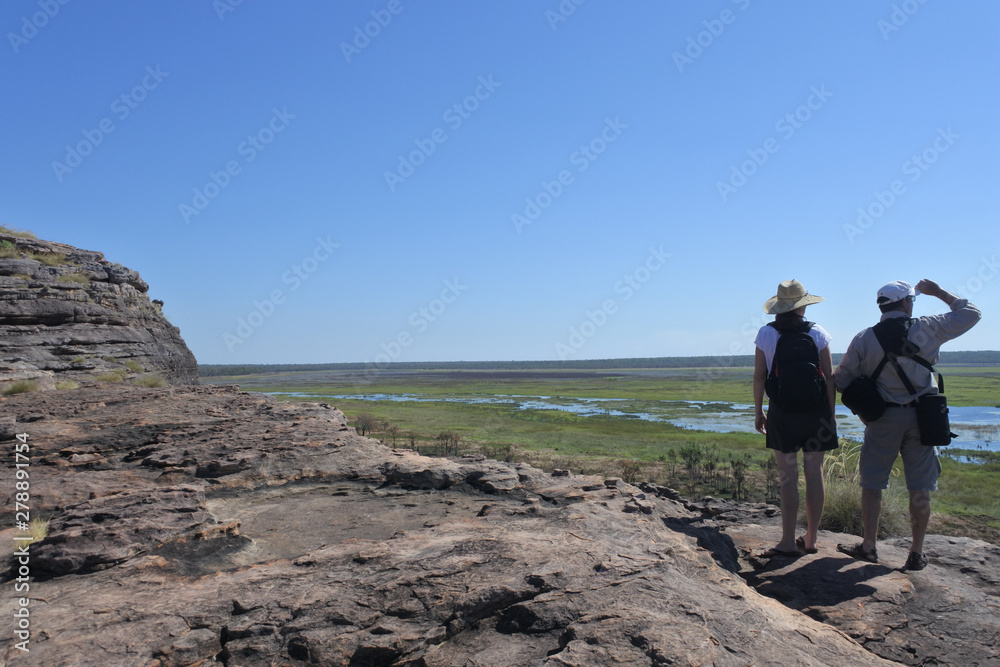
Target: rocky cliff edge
{"type": "Point", "coordinates": [69, 315]}
{"type": "Point", "coordinates": [204, 525]}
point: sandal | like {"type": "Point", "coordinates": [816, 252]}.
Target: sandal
{"type": "Point", "coordinates": [800, 542]}
{"type": "Point", "coordinates": [915, 561]}
{"type": "Point", "coordinates": [858, 551]}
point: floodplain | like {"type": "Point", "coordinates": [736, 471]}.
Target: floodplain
{"type": "Point", "coordinates": [688, 428]}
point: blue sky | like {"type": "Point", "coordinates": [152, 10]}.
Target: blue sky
{"type": "Point", "coordinates": [413, 181]}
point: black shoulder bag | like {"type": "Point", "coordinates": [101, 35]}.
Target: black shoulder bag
{"type": "Point", "coordinates": [932, 409]}
{"type": "Point", "coordinates": [862, 397]}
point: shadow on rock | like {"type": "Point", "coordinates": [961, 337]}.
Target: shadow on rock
{"type": "Point", "coordinates": [823, 582]}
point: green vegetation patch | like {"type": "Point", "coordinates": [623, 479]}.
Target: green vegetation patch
{"type": "Point", "coordinates": [114, 376]}
{"type": "Point", "coordinates": [20, 387]}
{"type": "Point", "coordinates": [150, 381]}
{"type": "Point", "coordinates": [20, 233]}
{"type": "Point", "coordinates": [49, 258]}
{"type": "Point", "coordinates": [74, 278]}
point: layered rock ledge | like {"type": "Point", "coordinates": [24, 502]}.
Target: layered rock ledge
{"type": "Point", "coordinates": [68, 314]}
{"type": "Point", "coordinates": [205, 525]}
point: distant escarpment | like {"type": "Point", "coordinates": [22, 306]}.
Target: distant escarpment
{"type": "Point", "coordinates": [69, 315]}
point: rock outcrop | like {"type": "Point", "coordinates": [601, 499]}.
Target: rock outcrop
{"type": "Point", "coordinates": [203, 525]}
{"type": "Point", "coordinates": [70, 315]}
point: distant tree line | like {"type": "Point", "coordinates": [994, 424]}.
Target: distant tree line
{"type": "Point", "coordinates": [739, 361]}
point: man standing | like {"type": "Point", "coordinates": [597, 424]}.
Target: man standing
{"type": "Point", "coordinates": [895, 433]}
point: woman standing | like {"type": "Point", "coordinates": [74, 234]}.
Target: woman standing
{"type": "Point", "coordinates": [793, 365]}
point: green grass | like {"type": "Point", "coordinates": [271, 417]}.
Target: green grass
{"type": "Point", "coordinates": [20, 233]}
{"type": "Point", "coordinates": [971, 385]}
{"type": "Point", "coordinates": [38, 530]}
{"type": "Point", "coordinates": [20, 387]}
{"type": "Point", "coordinates": [133, 365]}
{"type": "Point", "coordinates": [49, 258]}
{"type": "Point", "coordinates": [969, 489]}
{"type": "Point", "coordinates": [553, 430]}
{"type": "Point", "coordinates": [8, 250]}
{"type": "Point", "coordinates": [842, 507]}
{"type": "Point", "coordinates": [150, 381]}
{"type": "Point", "coordinates": [67, 384]}
{"type": "Point", "coordinates": [74, 278]}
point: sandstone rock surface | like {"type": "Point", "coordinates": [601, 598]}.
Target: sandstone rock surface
{"type": "Point", "coordinates": [204, 525]}
{"type": "Point", "coordinates": [69, 314]}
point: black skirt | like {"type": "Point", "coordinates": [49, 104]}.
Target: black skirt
{"type": "Point", "coordinates": [813, 431]}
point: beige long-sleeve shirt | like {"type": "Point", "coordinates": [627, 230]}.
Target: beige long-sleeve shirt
{"type": "Point", "coordinates": [928, 332]}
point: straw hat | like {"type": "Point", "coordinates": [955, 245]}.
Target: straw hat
{"type": "Point", "coordinates": [791, 295]}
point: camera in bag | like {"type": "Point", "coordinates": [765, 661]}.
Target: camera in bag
{"type": "Point", "coordinates": [862, 398]}
{"type": "Point", "coordinates": [932, 420]}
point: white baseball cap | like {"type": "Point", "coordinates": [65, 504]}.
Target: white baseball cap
{"type": "Point", "coordinates": [894, 291]}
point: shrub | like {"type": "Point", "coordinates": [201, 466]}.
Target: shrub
{"type": "Point", "coordinates": [77, 360]}
{"type": "Point", "coordinates": [114, 376]}
{"type": "Point", "coordinates": [49, 258]}
{"type": "Point", "coordinates": [38, 530]}
{"type": "Point", "coordinates": [20, 387]}
{"type": "Point", "coordinates": [134, 366]}
{"type": "Point", "coordinates": [67, 384]}
{"type": "Point", "coordinates": [842, 509]}
{"type": "Point", "coordinates": [629, 470]}
{"type": "Point", "coordinates": [74, 278]}
{"type": "Point", "coordinates": [20, 233]}
{"type": "Point", "coordinates": [150, 381]}
{"type": "Point", "coordinates": [364, 423]}
{"type": "Point", "coordinates": [7, 250]}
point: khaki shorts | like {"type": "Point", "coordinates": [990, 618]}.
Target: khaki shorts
{"type": "Point", "coordinates": [895, 434]}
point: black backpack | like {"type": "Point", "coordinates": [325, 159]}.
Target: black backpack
{"type": "Point", "coordinates": [796, 382]}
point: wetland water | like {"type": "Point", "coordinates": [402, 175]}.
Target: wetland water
{"type": "Point", "coordinates": [978, 428]}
